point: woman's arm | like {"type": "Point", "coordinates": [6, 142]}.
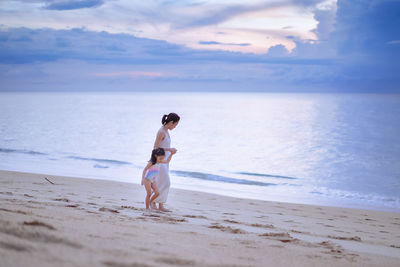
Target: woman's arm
{"type": "Point", "coordinates": [169, 157]}
{"type": "Point", "coordinates": [157, 143]}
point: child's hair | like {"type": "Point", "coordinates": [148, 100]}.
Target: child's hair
{"type": "Point", "coordinates": [170, 117]}
{"type": "Point", "coordinates": [156, 152]}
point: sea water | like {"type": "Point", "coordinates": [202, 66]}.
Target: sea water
{"type": "Point", "coordinates": [326, 149]}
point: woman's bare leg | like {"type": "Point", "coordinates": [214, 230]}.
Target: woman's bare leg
{"type": "Point", "coordinates": [161, 207]}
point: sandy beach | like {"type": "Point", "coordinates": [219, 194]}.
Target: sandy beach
{"type": "Point", "coordinates": [48, 220]}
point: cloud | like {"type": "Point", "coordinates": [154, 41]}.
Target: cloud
{"type": "Point", "coordinates": [362, 42]}
{"type": "Point", "coordinates": [219, 43]}
{"type": "Point", "coordinates": [363, 31]}
{"type": "Point", "coordinates": [24, 46]}
{"type": "Point", "coordinates": [131, 74]}
{"type": "Point", "coordinates": [278, 51]}
{"type": "Point", "coordinates": [356, 50]}
{"type": "Point", "coordinates": [394, 42]}
{"type": "Point", "coordinates": [72, 4]}
{"type": "Point", "coordinates": [180, 22]}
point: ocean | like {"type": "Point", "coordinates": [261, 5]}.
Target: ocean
{"type": "Point", "coordinates": [325, 149]}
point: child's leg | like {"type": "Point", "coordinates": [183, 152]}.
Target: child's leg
{"type": "Point", "coordinates": [147, 185]}
{"type": "Point", "coordinates": [156, 193]}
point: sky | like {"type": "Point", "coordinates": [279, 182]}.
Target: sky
{"type": "Point", "coordinates": [190, 45]}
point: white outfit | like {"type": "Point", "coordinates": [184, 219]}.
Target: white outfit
{"type": "Point", "coordinates": [162, 181]}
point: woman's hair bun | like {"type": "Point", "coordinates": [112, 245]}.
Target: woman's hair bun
{"type": "Point", "coordinates": [164, 119]}
{"type": "Point", "coordinates": [170, 117]}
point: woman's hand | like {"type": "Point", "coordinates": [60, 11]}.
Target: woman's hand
{"type": "Point", "coordinates": [173, 150]}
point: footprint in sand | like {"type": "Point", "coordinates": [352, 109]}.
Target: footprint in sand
{"type": "Point", "coordinates": [300, 232]}
{"type": "Point", "coordinates": [270, 226]}
{"type": "Point", "coordinates": [108, 209]}
{"type": "Point", "coordinates": [218, 245]}
{"type": "Point", "coordinates": [39, 223]}
{"type": "Point", "coordinates": [283, 237]}
{"type": "Point", "coordinates": [227, 229]}
{"type": "Point", "coordinates": [72, 205]}
{"type": "Point", "coordinates": [123, 264]}
{"type": "Point", "coordinates": [337, 251]}
{"type": "Point", "coordinates": [290, 221]}
{"type": "Point", "coordinates": [132, 208]}
{"type": "Point", "coordinates": [195, 216]}
{"type": "Point", "coordinates": [35, 236]}
{"type": "Point", "coordinates": [14, 211]}
{"type": "Point", "coordinates": [175, 261]}
{"type": "Point", "coordinates": [230, 221]}
{"type": "Point", "coordinates": [340, 231]}
{"type": "Point", "coordinates": [14, 247]}
{"type": "Point", "coordinates": [353, 238]}
{"type": "Point", "coordinates": [61, 199]}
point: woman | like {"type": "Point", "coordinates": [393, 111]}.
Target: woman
{"type": "Point", "coordinates": [163, 140]}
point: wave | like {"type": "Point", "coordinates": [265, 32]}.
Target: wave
{"type": "Point", "coordinates": [267, 175]}
{"type": "Point", "coordinates": [218, 178]}
{"type": "Point", "coordinates": [110, 161]}
{"type": "Point", "coordinates": [21, 151]}
{"type": "Point", "coordinates": [100, 166]}
{"type": "Point", "coordinates": [358, 197]}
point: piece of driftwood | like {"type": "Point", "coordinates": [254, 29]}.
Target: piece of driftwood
{"type": "Point", "coordinates": [48, 180]}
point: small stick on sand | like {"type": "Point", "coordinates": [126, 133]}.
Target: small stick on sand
{"type": "Point", "coordinates": [48, 180]}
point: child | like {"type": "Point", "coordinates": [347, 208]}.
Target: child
{"type": "Point", "coordinates": [150, 173]}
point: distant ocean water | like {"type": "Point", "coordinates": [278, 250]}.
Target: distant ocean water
{"type": "Point", "coordinates": [326, 149]}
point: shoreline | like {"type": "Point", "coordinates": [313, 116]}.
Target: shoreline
{"type": "Point", "coordinates": [85, 221]}
{"type": "Point", "coordinates": [325, 203]}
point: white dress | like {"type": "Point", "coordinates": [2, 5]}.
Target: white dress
{"type": "Point", "coordinates": [162, 181]}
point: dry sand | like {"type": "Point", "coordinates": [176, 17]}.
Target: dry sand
{"type": "Point", "coordinates": [67, 221]}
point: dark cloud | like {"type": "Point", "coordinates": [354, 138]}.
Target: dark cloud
{"type": "Point", "coordinates": [72, 4]}
{"type": "Point", "coordinates": [23, 45]}
{"type": "Point", "coordinates": [363, 30]}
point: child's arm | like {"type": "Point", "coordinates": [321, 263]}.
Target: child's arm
{"type": "Point", "coordinates": [145, 170]}
{"type": "Point", "coordinates": [169, 157]}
